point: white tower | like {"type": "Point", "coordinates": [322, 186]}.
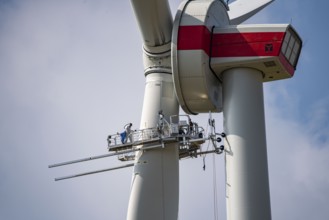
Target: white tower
{"type": "Point", "coordinates": [154, 189]}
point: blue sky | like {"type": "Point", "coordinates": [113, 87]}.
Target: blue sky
{"type": "Point", "coordinates": [71, 73]}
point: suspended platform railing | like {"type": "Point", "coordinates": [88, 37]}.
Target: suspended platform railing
{"type": "Point", "coordinates": [188, 135]}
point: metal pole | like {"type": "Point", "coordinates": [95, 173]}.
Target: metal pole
{"type": "Point", "coordinates": [102, 156]}
{"type": "Point", "coordinates": [247, 184]}
{"type": "Point", "coordinates": [93, 172]}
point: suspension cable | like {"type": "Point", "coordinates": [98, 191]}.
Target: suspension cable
{"type": "Point", "coordinates": [215, 188]}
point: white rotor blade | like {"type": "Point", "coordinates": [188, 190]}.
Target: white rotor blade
{"type": "Point", "coordinates": [241, 10]}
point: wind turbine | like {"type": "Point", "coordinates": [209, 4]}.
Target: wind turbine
{"type": "Point", "coordinates": [205, 61]}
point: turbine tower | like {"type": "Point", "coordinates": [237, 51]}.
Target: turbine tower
{"type": "Point", "coordinates": [204, 61]}
{"type": "Point", "coordinates": [155, 186]}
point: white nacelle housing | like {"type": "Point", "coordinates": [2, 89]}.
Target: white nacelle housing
{"type": "Point", "coordinates": [272, 49]}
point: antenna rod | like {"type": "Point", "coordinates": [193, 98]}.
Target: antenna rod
{"type": "Point", "coordinates": [102, 156]}
{"type": "Point", "coordinates": [93, 172]}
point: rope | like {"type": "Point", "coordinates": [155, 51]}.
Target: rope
{"type": "Point", "coordinates": [215, 188]}
{"type": "Point", "coordinates": [204, 157]}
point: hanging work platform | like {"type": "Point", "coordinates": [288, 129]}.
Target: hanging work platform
{"type": "Point", "coordinates": [180, 129]}
{"type": "Point", "coordinates": [188, 134]}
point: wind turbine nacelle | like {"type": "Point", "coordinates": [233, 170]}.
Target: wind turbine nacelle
{"type": "Point", "coordinates": [273, 49]}
{"type": "Point", "coordinates": [205, 44]}
{"type": "Point", "coordinates": [197, 87]}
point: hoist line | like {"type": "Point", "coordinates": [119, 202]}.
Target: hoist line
{"type": "Point", "coordinates": [215, 188]}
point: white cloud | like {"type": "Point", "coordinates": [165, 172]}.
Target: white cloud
{"type": "Point", "coordinates": [298, 161]}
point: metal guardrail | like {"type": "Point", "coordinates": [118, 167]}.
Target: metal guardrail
{"type": "Point", "coordinates": [137, 137]}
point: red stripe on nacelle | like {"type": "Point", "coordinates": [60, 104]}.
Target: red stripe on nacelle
{"type": "Point", "coordinates": [194, 38]}
{"type": "Point", "coordinates": [229, 44]}
{"type": "Point", "coordinates": [247, 44]}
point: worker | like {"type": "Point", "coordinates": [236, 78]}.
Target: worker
{"type": "Point", "coordinates": [160, 123]}
{"type": "Point", "coordinates": [191, 124]}
{"type": "Point", "coordinates": [128, 133]}
{"type": "Point", "coordinates": [109, 140]}
{"type": "Point", "coordinates": [123, 137]}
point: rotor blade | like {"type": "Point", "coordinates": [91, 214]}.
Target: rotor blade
{"type": "Point", "coordinates": [241, 10]}
{"type": "Point", "coordinates": [94, 172]}
{"type": "Point", "coordinates": [155, 23]}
